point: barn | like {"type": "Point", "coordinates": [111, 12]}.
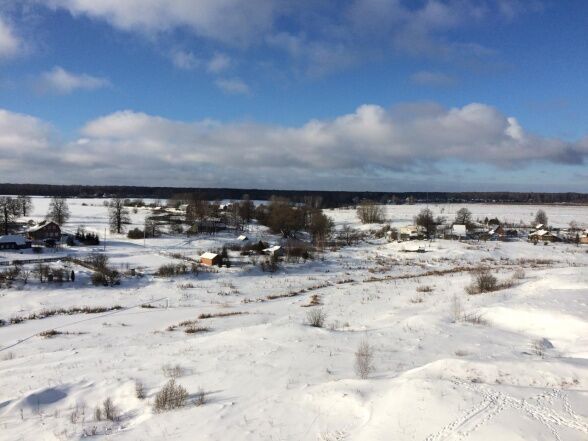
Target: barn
{"type": "Point", "coordinates": [210, 259]}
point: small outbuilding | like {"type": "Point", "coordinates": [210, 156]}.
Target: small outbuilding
{"type": "Point", "coordinates": [275, 250]}
{"type": "Point", "coordinates": [242, 238]}
{"type": "Point", "coordinates": [459, 231]}
{"type": "Point", "coordinates": [210, 259]}
{"type": "Point", "coordinates": [14, 242]}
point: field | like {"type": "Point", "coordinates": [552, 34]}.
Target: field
{"type": "Point", "coordinates": [439, 363]}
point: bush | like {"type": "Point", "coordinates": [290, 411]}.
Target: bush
{"type": "Point", "coordinates": [135, 233]}
{"type": "Point", "coordinates": [364, 359]}
{"type": "Point", "coordinates": [483, 282]}
{"type": "Point", "coordinates": [369, 212]}
{"type": "Point", "coordinates": [106, 277]}
{"type": "Point", "coordinates": [139, 390]}
{"type": "Point", "coordinates": [316, 318]}
{"type": "Point", "coordinates": [110, 410]}
{"type": "Point", "coordinates": [171, 396]}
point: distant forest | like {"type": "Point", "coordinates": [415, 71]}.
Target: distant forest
{"type": "Point", "coordinates": [330, 199]}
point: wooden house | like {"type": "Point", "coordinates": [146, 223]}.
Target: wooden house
{"type": "Point", "coordinates": [210, 259]}
{"type": "Point", "coordinates": [45, 230]}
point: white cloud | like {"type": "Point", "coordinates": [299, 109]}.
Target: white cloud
{"type": "Point", "coordinates": [185, 60]}
{"type": "Point", "coordinates": [233, 86]}
{"type": "Point", "coordinates": [320, 37]}
{"type": "Point", "coordinates": [218, 63]}
{"type": "Point", "coordinates": [230, 21]}
{"type": "Point", "coordinates": [432, 79]}
{"type": "Point", "coordinates": [10, 44]}
{"type": "Point", "coordinates": [362, 146]}
{"type": "Point", "coordinates": [62, 82]}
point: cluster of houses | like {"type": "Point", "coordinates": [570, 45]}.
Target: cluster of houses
{"type": "Point", "coordinates": [46, 233]}
{"type": "Point", "coordinates": [541, 233]}
{"type": "Point", "coordinates": [214, 259]}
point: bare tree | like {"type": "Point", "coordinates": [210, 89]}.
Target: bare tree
{"type": "Point", "coordinates": [58, 210]}
{"type": "Point", "coordinates": [246, 208]}
{"type": "Point", "coordinates": [541, 218]}
{"type": "Point", "coordinates": [9, 210]}
{"type": "Point", "coordinates": [25, 205]}
{"type": "Point", "coordinates": [463, 217]}
{"type": "Point", "coordinates": [118, 215]}
{"type": "Point", "coordinates": [426, 220]}
{"type": "Point", "coordinates": [369, 212]}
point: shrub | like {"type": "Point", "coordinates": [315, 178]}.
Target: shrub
{"type": "Point", "coordinates": [364, 359]}
{"type": "Point", "coordinates": [171, 396]}
{"type": "Point", "coordinates": [110, 410]}
{"type": "Point", "coordinates": [483, 282]}
{"type": "Point", "coordinates": [139, 390]}
{"type": "Point", "coordinates": [200, 398]}
{"type": "Point", "coordinates": [192, 329]}
{"type": "Point", "coordinates": [369, 212]}
{"type": "Point", "coordinates": [172, 371]}
{"type": "Point", "coordinates": [136, 233]}
{"type": "Point", "coordinates": [316, 317]}
{"type": "Point", "coordinates": [106, 277]}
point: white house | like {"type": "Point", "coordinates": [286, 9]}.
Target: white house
{"type": "Point", "coordinates": [459, 231]}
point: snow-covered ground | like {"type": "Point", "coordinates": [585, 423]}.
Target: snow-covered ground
{"type": "Point", "coordinates": [268, 375]}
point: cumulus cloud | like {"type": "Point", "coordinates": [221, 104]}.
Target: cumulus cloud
{"type": "Point", "coordinates": [372, 141]}
{"type": "Point", "coordinates": [234, 22]}
{"type": "Point", "coordinates": [233, 86]}
{"type": "Point", "coordinates": [62, 82]}
{"type": "Point", "coordinates": [432, 79]}
{"type": "Point", "coordinates": [10, 44]}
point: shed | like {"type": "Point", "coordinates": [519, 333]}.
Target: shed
{"type": "Point", "coordinates": [13, 242]}
{"type": "Point", "coordinates": [242, 238]}
{"type": "Point", "coordinates": [275, 250]}
{"type": "Point", "coordinates": [210, 259]}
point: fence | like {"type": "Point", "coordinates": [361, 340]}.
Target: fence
{"type": "Point", "coordinates": [24, 261]}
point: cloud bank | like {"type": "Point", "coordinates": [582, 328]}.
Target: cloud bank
{"type": "Point", "coordinates": [133, 147]}
{"type": "Point", "coordinates": [318, 36]}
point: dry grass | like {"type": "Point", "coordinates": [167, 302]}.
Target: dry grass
{"type": "Point", "coordinates": [220, 314]}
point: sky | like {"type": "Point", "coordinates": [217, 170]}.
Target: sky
{"type": "Point", "coordinates": [380, 95]}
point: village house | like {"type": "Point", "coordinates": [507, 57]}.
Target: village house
{"type": "Point", "coordinates": [210, 259]}
{"type": "Point", "coordinates": [14, 242]}
{"type": "Point", "coordinates": [543, 236]}
{"type": "Point", "coordinates": [44, 231]}
{"type": "Point", "coordinates": [459, 231]}
{"type": "Point", "coordinates": [411, 232]}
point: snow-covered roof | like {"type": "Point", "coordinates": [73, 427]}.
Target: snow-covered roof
{"type": "Point", "coordinates": [209, 256]}
{"type": "Point", "coordinates": [242, 237]}
{"type": "Point", "coordinates": [272, 249]}
{"type": "Point", "coordinates": [39, 226]}
{"type": "Point", "coordinates": [413, 248]}
{"type": "Point", "coordinates": [459, 230]}
{"type": "Point", "coordinates": [542, 233]}
{"type": "Point", "coordinates": [539, 226]}
{"type": "Point", "coordinates": [13, 238]}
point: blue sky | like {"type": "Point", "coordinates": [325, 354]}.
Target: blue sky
{"type": "Point", "coordinates": [385, 95]}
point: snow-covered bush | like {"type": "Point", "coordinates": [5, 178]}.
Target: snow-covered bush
{"type": "Point", "coordinates": [364, 359]}
{"type": "Point", "coordinates": [171, 396]}
{"type": "Point", "coordinates": [316, 317]}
